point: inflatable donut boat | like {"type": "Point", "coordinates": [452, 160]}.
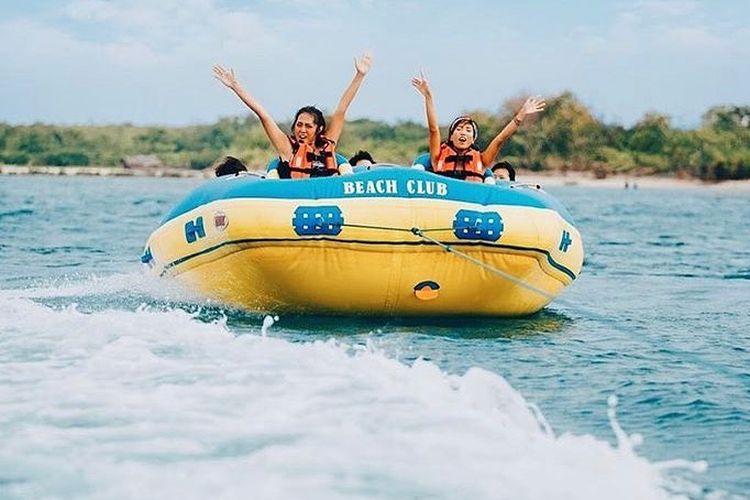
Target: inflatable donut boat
{"type": "Point", "coordinates": [389, 241]}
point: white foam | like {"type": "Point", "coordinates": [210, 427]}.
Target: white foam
{"type": "Point", "coordinates": [114, 284]}
{"type": "Point", "coordinates": [268, 322]}
{"type": "Point", "coordinates": [123, 404]}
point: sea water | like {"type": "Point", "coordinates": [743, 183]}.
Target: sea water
{"type": "Point", "coordinates": [633, 384]}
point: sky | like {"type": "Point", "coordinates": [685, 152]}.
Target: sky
{"type": "Point", "coordinates": [149, 62]}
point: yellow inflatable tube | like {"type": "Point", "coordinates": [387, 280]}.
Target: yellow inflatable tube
{"type": "Point", "coordinates": [391, 241]}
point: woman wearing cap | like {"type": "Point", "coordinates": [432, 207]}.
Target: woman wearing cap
{"type": "Point", "coordinates": [310, 150]}
{"type": "Point", "coordinates": [458, 156]}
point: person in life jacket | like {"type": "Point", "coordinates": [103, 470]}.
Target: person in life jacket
{"type": "Point", "coordinates": [310, 149]}
{"type": "Point", "coordinates": [458, 156]}
{"type": "Point", "coordinates": [309, 159]}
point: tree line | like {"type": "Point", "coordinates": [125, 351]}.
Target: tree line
{"type": "Point", "coordinates": [567, 136]}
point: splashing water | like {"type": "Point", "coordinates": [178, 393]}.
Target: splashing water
{"type": "Point", "coordinates": [115, 404]}
{"type": "Point", "coordinates": [268, 322]}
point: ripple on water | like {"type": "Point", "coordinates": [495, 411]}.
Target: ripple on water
{"type": "Point", "coordinates": [616, 243]}
{"type": "Point", "coordinates": [742, 274]}
{"type": "Point", "coordinates": [65, 250]}
{"type": "Point", "coordinates": [15, 213]}
{"type": "Point", "coordinates": [666, 243]}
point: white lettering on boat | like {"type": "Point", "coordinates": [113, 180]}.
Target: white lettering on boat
{"type": "Point", "coordinates": [420, 186]}
{"type": "Point", "coordinates": [380, 186]}
{"type": "Point", "coordinates": [390, 186]}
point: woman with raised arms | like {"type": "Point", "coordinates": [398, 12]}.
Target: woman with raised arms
{"type": "Point", "coordinates": [310, 149]}
{"type": "Point", "coordinates": [458, 156]}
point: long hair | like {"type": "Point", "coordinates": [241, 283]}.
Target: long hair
{"type": "Point", "coordinates": [318, 119]}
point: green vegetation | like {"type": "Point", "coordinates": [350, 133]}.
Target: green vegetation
{"type": "Point", "coordinates": [565, 137]}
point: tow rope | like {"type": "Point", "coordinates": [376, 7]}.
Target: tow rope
{"type": "Point", "coordinates": [421, 234]}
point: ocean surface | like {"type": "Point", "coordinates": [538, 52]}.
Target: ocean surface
{"type": "Point", "coordinates": [634, 384]}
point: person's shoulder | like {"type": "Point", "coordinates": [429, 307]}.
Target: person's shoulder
{"type": "Point", "coordinates": [422, 161]}
{"type": "Point", "coordinates": [341, 159]}
{"type": "Point", "coordinates": [273, 164]}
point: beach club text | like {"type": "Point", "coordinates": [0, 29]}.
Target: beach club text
{"type": "Point", "coordinates": [392, 186]}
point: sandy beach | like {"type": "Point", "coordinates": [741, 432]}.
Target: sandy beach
{"type": "Point", "coordinates": [587, 179]}
{"type": "Point", "coordinates": [544, 179]}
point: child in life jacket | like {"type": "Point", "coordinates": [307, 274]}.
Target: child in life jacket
{"type": "Point", "coordinates": [310, 149]}
{"type": "Point", "coordinates": [458, 156]}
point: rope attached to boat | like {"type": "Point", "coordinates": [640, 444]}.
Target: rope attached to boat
{"type": "Point", "coordinates": [400, 229]}
{"type": "Point", "coordinates": [421, 234]}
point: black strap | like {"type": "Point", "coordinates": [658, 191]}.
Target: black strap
{"type": "Point", "coordinates": [457, 158]}
{"type": "Point", "coordinates": [312, 172]}
{"type": "Point", "coordinates": [321, 157]}
{"type": "Point", "coordinates": [284, 170]}
{"type": "Point", "coordinates": [460, 174]}
{"type": "Point", "coordinates": [459, 170]}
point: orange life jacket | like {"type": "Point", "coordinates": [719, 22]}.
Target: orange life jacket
{"type": "Point", "coordinates": [467, 166]}
{"type": "Point", "coordinates": [306, 162]}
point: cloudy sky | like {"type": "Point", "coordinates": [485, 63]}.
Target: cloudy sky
{"type": "Point", "coordinates": [149, 62]}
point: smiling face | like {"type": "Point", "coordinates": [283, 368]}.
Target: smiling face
{"type": "Point", "coordinates": [462, 136]}
{"type": "Point", "coordinates": [305, 128]}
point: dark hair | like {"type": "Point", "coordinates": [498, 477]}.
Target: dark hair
{"type": "Point", "coordinates": [361, 155]}
{"type": "Point", "coordinates": [229, 165]}
{"type": "Point", "coordinates": [507, 166]}
{"type": "Point", "coordinates": [464, 119]}
{"type": "Point", "coordinates": [318, 118]}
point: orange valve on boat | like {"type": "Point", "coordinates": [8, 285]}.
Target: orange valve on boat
{"type": "Point", "coordinates": [426, 290]}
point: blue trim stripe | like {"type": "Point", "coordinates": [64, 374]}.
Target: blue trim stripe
{"type": "Point", "coordinates": [205, 251]}
{"type": "Point", "coordinates": [406, 181]}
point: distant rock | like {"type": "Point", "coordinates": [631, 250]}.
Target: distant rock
{"type": "Point", "coordinates": [142, 162]}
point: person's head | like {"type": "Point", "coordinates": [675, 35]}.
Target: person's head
{"type": "Point", "coordinates": [308, 124]}
{"type": "Point", "coordinates": [229, 165]}
{"type": "Point", "coordinates": [504, 171]}
{"type": "Point", "coordinates": [463, 132]}
{"type": "Point", "coordinates": [362, 158]}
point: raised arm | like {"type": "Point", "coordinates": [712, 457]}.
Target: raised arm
{"type": "Point", "coordinates": [336, 123]}
{"type": "Point", "coordinates": [531, 106]}
{"type": "Point", "coordinates": [420, 83]}
{"type": "Point", "coordinates": [278, 138]}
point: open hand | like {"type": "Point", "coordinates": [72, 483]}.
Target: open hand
{"type": "Point", "coordinates": [225, 76]}
{"type": "Point", "coordinates": [420, 83]}
{"type": "Point", "coordinates": [363, 64]}
{"type": "Point", "coordinates": [531, 106]}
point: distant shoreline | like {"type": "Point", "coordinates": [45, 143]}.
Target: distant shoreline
{"type": "Point", "coordinates": [584, 179]}
{"type": "Point", "coordinates": [619, 181]}
{"type": "Point", "coordinates": [103, 171]}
